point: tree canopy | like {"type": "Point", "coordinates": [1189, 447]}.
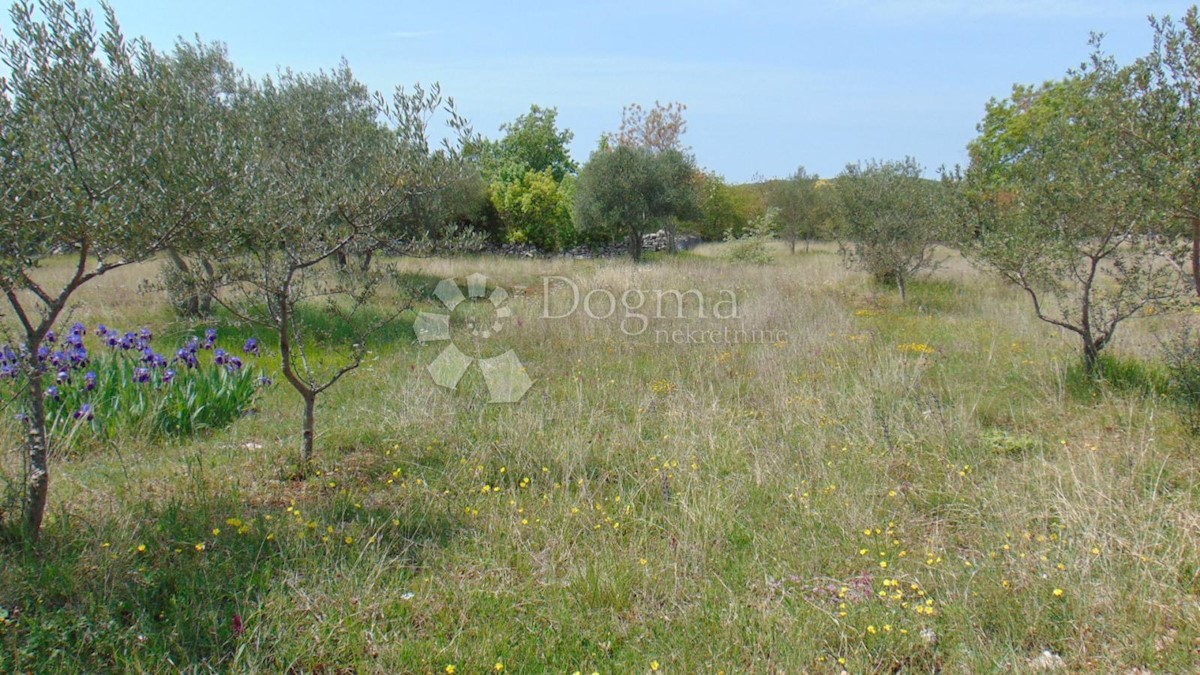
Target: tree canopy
{"type": "Point", "coordinates": [332, 166]}
{"type": "Point", "coordinates": [892, 219]}
{"type": "Point", "coordinates": [109, 152]}
{"type": "Point", "coordinates": [1164, 126]}
{"type": "Point", "coordinates": [533, 142]}
{"type": "Point", "coordinates": [1065, 211]}
{"type": "Point", "coordinates": [804, 208]}
{"type": "Point", "coordinates": [631, 190]}
{"type": "Point", "coordinates": [528, 173]}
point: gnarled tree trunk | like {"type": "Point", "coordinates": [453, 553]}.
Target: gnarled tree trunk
{"type": "Point", "coordinates": [39, 468]}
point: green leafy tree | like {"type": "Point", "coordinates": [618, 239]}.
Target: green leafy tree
{"type": "Point", "coordinates": [1066, 214]}
{"type": "Point", "coordinates": [659, 130]}
{"type": "Point", "coordinates": [104, 155]}
{"type": "Point", "coordinates": [803, 207]}
{"type": "Point", "coordinates": [719, 208]}
{"type": "Point", "coordinates": [630, 191]}
{"type": "Point", "coordinates": [533, 142]}
{"type": "Point", "coordinates": [1164, 88]}
{"type": "Point", "coordinates": [332, 166]}
{"type": "Point", "coordinates": [203, 72]}
{"type": "Point", "coordinates": [450, 216]}
{"type": "Point", "coordinates": [529, 172]}
{"type": "Point", "coordinates": [892, 220]}
{"type": "Point", "coordinates": [536, 209]}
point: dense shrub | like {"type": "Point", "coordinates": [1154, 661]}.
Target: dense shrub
{"type": "Point", "coordinates": [1181, 352]}
{"type": "Point", "coordinates": [751, 247]}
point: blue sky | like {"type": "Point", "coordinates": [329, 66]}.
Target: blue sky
{"type": "Point", "coordinates": [769, 86]}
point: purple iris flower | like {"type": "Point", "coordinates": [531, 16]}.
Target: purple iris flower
{"type": "Point", "coordinates": [141, 375]}
{"type": "Point", "coordinates": [79, 356]}
{"type": "Point", "coordinates": [168, 376]}
{"type": "Point", "coordinates": [219, 357]}
{"type": "Point", "coordinates": [187, 357]}
{"type": "Point", "coordinates": [234, 364]}
{"type": "Point", "coordinates": [85, 412]}
{"type": "Point", "coordinates": [53, 393]}
{"type": "Point", "coordinates": [51, 337]}
{"type": "Point", "coordinates": [64, 377]}
{"type": "Point", "coordinates": [89, 381]}
{"type": "Point", "coordinates": [251, 346]}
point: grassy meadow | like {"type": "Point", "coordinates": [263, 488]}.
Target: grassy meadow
{"type": "Point", "coordinates": [933, 486]}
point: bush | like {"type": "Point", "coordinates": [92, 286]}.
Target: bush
{"type": "Point", "coordinates": [1117, 373]}
{"type": "Point", "coordinates": [1181, 353]}
{"type": "Point", "coordinates": [536, 210]}
{"type": "Point", "coordinates": [751, 247]}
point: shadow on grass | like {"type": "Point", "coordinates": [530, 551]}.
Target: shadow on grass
{"type": "Point", "coordinates": [174, 592]}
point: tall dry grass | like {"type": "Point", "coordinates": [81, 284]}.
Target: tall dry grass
{"type": "Point", "coordinates": [910, 487]}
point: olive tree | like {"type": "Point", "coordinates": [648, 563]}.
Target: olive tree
{"type": "Point", "coordinates": [1066, 214]}
{"type": "Point", "coordinates": [1165, 127]}
{"type": "Point", "coordinates": [631, 190]}
{"type": "Point", "coordinates": [658, 130]}
{"type": "Point", "coordinates": [803, 207]}
{"type": "Point", "coordinates": [892, 220]}
{"type": "Point", "coordinates": [205, 73]}
{"type": "Point", "coordinates": [105, 159]}
{"type": "Point", "coordinates": [332, 167]}
{"type": "Point", "coordinates": [445, 221]}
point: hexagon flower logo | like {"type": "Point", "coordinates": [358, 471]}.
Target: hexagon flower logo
{"type": "Point", "coordinates": [504, 375]}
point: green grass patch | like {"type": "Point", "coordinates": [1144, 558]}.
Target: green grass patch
{"type": "Point", "coordinates": [1117, 373]}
